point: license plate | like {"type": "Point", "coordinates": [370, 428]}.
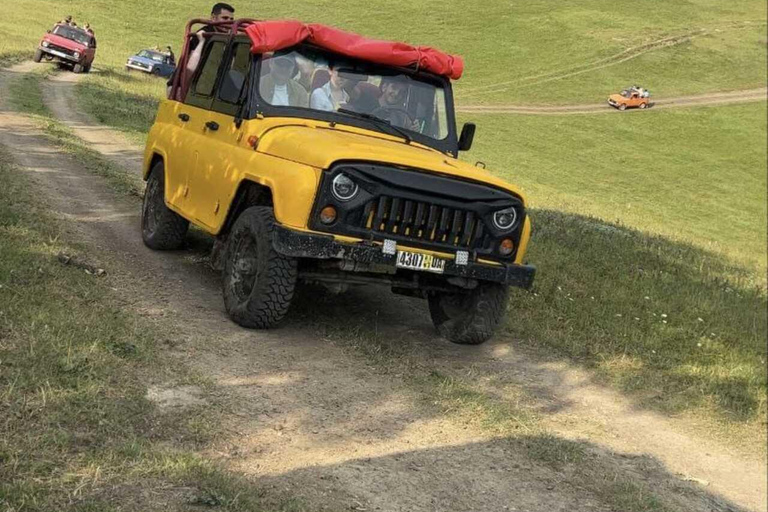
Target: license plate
{"type": "Point", "coordinates": [423, 262]}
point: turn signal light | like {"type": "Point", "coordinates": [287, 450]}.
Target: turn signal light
{"type": "Point", "coordinates": [328, 215]}
{"type": "Point", "coordinates": [506, 247]}
{"type": "Point", "coordinates": [253, 141]}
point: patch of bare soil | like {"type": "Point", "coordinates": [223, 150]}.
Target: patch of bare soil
{"type": "Point", "coordinates": [303, 414]}
{"type": "Point", "coordinates": [174, 398]}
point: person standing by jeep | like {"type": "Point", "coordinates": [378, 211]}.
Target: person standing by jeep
{"type": "Point", "coordinates": [219, 12]}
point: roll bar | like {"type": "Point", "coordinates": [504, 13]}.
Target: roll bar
{"type": "Point", "coordinates": [232, 28]}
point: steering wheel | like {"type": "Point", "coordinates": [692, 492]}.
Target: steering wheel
{"type": "Point", "coordinates": [395, 115]}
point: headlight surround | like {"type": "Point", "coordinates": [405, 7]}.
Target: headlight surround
{"type": "Point", "coordinates": [76, 55]}
{"type": "Point", "coordinates": [506, 219]}
{"type": "Point", "coordinates": [343, 188]}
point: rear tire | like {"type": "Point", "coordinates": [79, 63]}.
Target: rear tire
{"type": "Point", "coordinates": [469, 318]}
{"type": "Point", "coordinates": [643, 105]}
{"type": "Point", "coordinates": [38, 55]}
{"type": "Point", "coordinates": [258, 282]}
{"type": "Point", "coordinates": [161, 228]}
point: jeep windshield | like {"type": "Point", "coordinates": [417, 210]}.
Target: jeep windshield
{"type": "Point", "coordinates": [72, 34]}
{"type": "Point", "coordinates": [308, 82]}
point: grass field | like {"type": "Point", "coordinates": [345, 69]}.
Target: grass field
{"type": "Point", "coordinates": [666, 204]}
{"type": "Point", "coordinates": [696, 175]}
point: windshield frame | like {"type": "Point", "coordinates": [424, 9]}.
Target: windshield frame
{"type": "Point", "coordinates": [448, 145]}
{"type": "Point", "coordinates": [75, 30]}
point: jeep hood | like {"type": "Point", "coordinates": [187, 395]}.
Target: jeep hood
{"type": "Point", "coordinates": [616, 97]}
{"type": "Point", "coordinates": [321, 147]}
{"type": "Point", "coordinates": [66, 43]}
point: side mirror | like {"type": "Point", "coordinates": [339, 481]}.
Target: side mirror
{"type": "Point", "coordinates": [232, 86]}
{"type": "Point", "coordinates": [467, 136]}
{"type": "Point", "coordinates": [47, 31]}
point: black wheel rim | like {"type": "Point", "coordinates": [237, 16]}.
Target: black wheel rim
{"type": "Point", "coordinates": [243, 270]}
{"type": "Point", "coordinates": [454, 305]}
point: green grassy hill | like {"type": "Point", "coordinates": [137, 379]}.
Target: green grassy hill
{"type": "Point", "coordinates": [664, 204]}
{"type": "Point", "coordinates": [504, 43]}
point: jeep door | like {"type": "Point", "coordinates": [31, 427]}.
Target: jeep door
{"type": "Point", "coordinates": [190, 140]}
{"type": "Point", "coordinates": [213, 184]}
{"type": "Point", "coordinates": [90, 52]}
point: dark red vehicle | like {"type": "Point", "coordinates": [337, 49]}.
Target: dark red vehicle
{"type": "Point", "coordinates": [69, 45]}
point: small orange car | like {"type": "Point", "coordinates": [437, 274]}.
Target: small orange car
{"type": "Point", "coordinates": [630, 97]}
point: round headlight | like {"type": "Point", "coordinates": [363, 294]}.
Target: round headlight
{"type": "Point", "coordinates": [76, 55]}
{"type": "Point", "coordinates": [46, 44]}
{"type": "Point", "coordinates": [506, 219]}
{"type": "Point", "coordinates": [344, 188]}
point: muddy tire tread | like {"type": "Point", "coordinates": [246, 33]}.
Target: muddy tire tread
{"type": "Point", "coordinates": [171, 228]}
{"type": "Point", "coordinates": [271, 297]}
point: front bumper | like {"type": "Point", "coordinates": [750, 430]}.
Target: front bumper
{"type": "Point", "coordinates": [311, 245]}
{"type": "Point", "coordinates": [60, 55]}
{"type": "Point", "coordinates": [138, 68]}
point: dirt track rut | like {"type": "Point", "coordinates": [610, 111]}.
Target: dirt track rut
{"type": "Point", "coordinates": [308, 417]}
{"type": "Point", "coordinates": [719, 98]}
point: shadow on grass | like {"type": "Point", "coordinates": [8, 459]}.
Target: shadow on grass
{"type": "Point", "coordinates": [674, 326]}
{"type": "Point", "coordinates": [531, 472]}
{"type": "Point", "coordinates": [678, 325]}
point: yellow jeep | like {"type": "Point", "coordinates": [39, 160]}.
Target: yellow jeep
{"type": "Point", "coordinates": [306, 165]}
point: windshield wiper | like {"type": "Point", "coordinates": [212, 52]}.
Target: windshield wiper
{"type": "Point", "coordinates": [377, 121]}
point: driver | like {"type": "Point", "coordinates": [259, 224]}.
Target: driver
{"type": "Point", "coordinates": [392, 104]}
{"type": "Point", "coordinates": [278, 87]}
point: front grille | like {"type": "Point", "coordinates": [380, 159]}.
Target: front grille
{"type": "Point", "coordinates": [61, 49]}
{"type": "Point", "coordinates": [417, 209]}
{"type": "Point", "coordinates": [423, 221]}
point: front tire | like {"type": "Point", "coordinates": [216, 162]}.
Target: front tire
{"type": "Point", "coordinates": [78, 68]}
{"type": "Point", "coordinates": [161, 228]}
{"type": "Point", "coordinates": [38, 55]}
{"type": "Point", "coordinates": [258, 282]}
{"type": "Point", "coordinates": [623, 107]}
{"type": "Point", "coordinates": [469, 318]}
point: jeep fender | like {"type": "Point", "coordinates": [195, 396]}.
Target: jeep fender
{"type": "Point", "coordinates": [293, 187]}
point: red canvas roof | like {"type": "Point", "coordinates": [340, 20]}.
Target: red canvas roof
{"type": "Point", "coordinates": [271, 36]}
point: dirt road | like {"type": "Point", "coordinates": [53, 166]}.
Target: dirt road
{"type": "Point", "coordinates": [720, 98]}
{"type": "Point", "coordinates": [318, 419]}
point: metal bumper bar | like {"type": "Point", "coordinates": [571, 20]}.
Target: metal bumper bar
{"type": "Point", "coordinates": [311, 245]}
